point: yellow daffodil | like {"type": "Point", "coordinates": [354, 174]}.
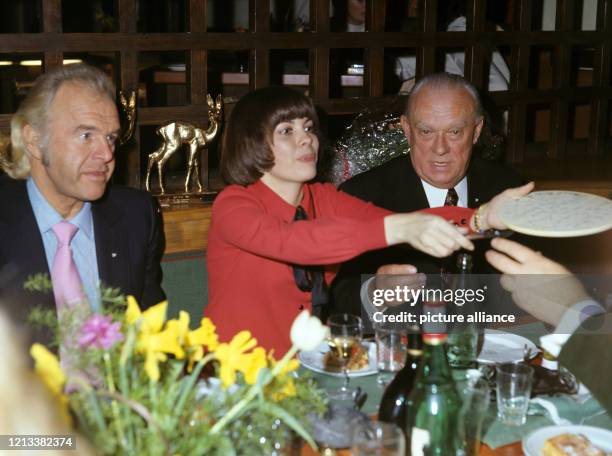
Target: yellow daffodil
{"type": "Point", "coordinates": [156, 346]}
{"type": "Point", "coordinates": [231, 356]}
{"type": "Point", "coordinates": [152, 341]}
{"type": "Point", "coordinates": [152, 360]}
{"type": "Point", "coordinates": [282, 386]}
{"type": "Point", "coordinates": [47, 367]}
{"type": "Point", "coordinates": [254, 361]}
{"type": "Point", "coordinates": [180, 325]}
{"type": "Point", "coordinates": [287, 390]}
{"type": "Point", "coordinates": [196, 340]}
{"type": "Point", "coordinates": [152, 319]}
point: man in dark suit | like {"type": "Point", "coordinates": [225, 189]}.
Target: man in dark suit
{"type": "Point", "coordinates": [58, 165]}
{"type": "Point", "coordinates": [442, 122]}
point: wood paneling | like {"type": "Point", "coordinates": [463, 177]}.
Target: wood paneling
{"type": "Point", "coordinates": [259, 40]}
{"type": "Point", "coordinates": [186, 228]}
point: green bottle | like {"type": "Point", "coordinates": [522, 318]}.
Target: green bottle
{"type": "Point", "coordinates": [462, 345]}
{"type": "Point", "coordinates": [433, 405]}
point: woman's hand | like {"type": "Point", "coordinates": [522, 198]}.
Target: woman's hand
{"type": "Point", "coordinates": [489, 213]}
{"type": "Point", "coordinates": [428, 233]}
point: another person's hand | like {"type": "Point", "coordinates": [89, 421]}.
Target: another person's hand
{"type": "Point", "coordinates": [391, 276]}
{"type": "Point", "coordinates": [489, 213]}
{"type": "Point", "coordinates": [428, 233]}
{"type": "Point", "coordinates": [538, 285]}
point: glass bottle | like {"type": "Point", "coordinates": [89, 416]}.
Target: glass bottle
{"type": "Point", "coordinates": [433, 404]}
{"type": "Point", "coordinates": [463, 338]}
{"type": "Point", "coordinates": [393, 404]}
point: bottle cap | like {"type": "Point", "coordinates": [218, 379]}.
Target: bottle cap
{"type": "Point", "coordinates": [464, 261]}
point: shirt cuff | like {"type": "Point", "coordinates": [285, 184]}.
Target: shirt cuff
{"type": "Point", "coordinates": [569, 323]}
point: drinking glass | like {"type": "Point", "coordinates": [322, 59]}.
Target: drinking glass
{"type": "Point", "coordinates": [391, 347]}
{"type": "Point", "coordinates": [475, 399]}
{"type": "Point", "coordinates": [513, 392]}
{"type": "Point", "coordinates": [378, 439]}
{"type": "Point", "coordinates": [345, 333]}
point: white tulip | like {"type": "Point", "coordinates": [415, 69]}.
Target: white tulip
{"type": "Point", "coordinates": [307, 332]}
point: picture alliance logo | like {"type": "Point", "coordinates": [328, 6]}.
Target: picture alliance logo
{"type": "Point", "coordinates": [458, 296]}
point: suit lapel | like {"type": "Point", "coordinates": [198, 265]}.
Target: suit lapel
{"type": "Point", "coordinates": [410, 193]}
{"type": "Point", "coordinates": [112, 250]}
{"type": "Point", "coordinates": [21, 224]}
{"type": "Point", "coordinates": [476, 184]}
{"type": "Point", "coordinates": [32, 252]}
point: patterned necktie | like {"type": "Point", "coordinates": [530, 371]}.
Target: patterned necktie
{"type": "Point", "coordinates": [67, 285]}
{"type": "Point", "coordinates": [311, 278]}
{"type": "Point", "coordinates": [451, 197]}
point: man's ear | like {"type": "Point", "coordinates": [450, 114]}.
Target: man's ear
{"type": "Point", "coordinates": [31, 139]}
{"type": "Point", "coordinates": [478, 129]}
{"type": "Point", "coordinates": [405, 123]}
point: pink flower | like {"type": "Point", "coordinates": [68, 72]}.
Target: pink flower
{"type": "Point", "coordinates": [99, 331]}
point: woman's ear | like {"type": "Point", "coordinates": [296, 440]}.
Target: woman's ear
{"type": "Point", "coordinates": [31, 140]}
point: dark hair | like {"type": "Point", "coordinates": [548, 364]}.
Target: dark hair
{"type": "Point", "coordinates": [246, 152]}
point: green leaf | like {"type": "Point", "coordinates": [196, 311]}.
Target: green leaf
{"type": "Point", "coordinates": [226, 447]}
{"type": "Point", "coordinates": [289, 420]}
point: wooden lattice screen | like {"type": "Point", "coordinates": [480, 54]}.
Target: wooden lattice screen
{"type": "Point", "coordinates": [259, 40]}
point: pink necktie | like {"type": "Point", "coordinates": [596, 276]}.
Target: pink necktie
{"type": "Point", "coordinates": [67, 285]}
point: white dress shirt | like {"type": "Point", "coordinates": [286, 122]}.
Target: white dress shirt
{"type": "Point", "coordinates": [436, 196]}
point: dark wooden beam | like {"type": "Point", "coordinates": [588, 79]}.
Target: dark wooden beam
{"type": "Point", "coordinates": [374, 55]}
{"type": "Point", "coordinates": [318, 60]}
{"type": "Point", "coordinates": [599, 125]}
{"type": "Point", "coordinates": [128, 81]}
{"type": "Point", "coordinates": [519, 79]}
{"type": "Point", "coordinates": [559, 118]}
{"type": "Point", "coordinates": [109, 42]}
{"type": "Point", "coordinates": [259, 59]}
{"type": "Point", "coordinates": [426, 54]}
{"type": "Point", "coordinates": [52, 23]}
{"type": "Point", "coordinates": [476, 55]}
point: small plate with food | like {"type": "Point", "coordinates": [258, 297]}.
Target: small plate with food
{"type": "Point", "coordinates": [361, 363]}
{"type": "Point", "coordinates": [568, 441]}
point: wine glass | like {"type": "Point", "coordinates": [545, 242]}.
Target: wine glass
{"type": "Point", "coordinates": [345, 333]}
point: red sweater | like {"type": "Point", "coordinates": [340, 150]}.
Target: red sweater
{"type": "Point", "coordinates": [252, 244]}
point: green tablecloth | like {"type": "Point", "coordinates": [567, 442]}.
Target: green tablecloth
{"type": "Point", "coordinates": [578, 410]}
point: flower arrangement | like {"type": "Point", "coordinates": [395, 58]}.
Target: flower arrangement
{"type": "Point", "coordinates": [137, 383]}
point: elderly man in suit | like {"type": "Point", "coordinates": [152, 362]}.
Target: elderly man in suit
{"type": "Point", "coordinates": [58, 215]}
{"type": "Point", "coordinates": [442, 121]}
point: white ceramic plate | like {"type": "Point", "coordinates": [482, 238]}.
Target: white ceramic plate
{"type": "Point", "coordinates": [313, 360]}
{"type": "Point", "coordinates": [533, 443]}
{"type": "Point", "coordinates": [503, 347]}
{"type": "Point", "coordinates": [558, 214]}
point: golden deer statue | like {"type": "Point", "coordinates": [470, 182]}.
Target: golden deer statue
{"type": "Point", "coordinates": [129, 109]}
{"type": "Point", "coordinates": [176, 134]}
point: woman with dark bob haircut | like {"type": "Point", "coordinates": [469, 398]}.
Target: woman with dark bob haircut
{"type": "Point", "coordinates": [272, 231]}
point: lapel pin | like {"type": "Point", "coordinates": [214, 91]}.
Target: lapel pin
{"type": "Point", "coordinates": [114, 254]}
